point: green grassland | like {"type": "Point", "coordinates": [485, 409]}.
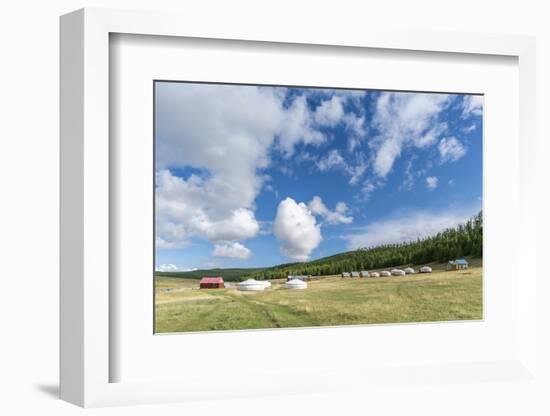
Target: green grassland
{"type": "Point", "coordinates": [181, 306]}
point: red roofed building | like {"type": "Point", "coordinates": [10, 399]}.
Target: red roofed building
{"type": "Point", "coordinates": [211, 283]}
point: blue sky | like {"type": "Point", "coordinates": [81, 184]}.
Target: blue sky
{"type": "Point", "coordinates": [252, 176]}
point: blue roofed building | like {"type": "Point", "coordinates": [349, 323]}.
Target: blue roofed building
{"type": "Point", "coordinates": [459, 264]}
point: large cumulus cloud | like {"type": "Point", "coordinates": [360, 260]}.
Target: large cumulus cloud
{"type": "Point", "coordinates": [297, 230]}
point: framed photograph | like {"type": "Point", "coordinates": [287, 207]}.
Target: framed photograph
{"type": "Point", "coordinates": [237, 208]}
{"type": "Point", "coordinates": [306, 207]}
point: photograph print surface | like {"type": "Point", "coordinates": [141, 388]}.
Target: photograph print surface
{"type": "Point", "coordinates": [284, 207]}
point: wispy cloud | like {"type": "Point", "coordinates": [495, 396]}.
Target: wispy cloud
{"type": "Point", "coordinates": [368, 188]}
{"type": "Point", "coordinates": [432, 182]}
{"type": "Point", "coordinates": [169, 267]}
{"type": "Point", "coordinates": [332, 160]}
{"type": "Point", "coordinates": [408, 182]}
{"type": "Point", "coordinates": [406, 119]}
{"type": "Point", "coordinates": [451, 149]}
{"type": "Point", "coordinates": [472, 105]}
{"type": "Point", "coordinates": [338, 216]}
{"type": "Point", "coordinates": [354, 168]}
{"type": "Point", "coordinates": [404, 227]}
{"type": "Point", "coordinates": [469, 129]}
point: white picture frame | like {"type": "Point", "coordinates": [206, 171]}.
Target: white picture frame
{"type": "Point", "coordinates": [85, 212]}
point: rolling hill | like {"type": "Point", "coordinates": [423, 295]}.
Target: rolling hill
{"type": "Point", "coordinates": [227, 274]}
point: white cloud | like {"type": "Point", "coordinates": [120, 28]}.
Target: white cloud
{"type": "Point", "coordinates": [357, 170]}
{"type": "Point", "coordinates": [301, 125]}
{"type": "Point", "coordinates": [239, 226]}
{"type": "Point", "coordinates": [353, 143]}
{"type": "Point", "coordinates": [355, 127]}
{"type": "Point", "coordinates": [368, 188]}
{"type": "Point", "coordinates": [232, 250]}
{"type": "Point", "coordinates": [450, 149]}
{"type": "Point", "coordinates": [387, 153]}
{"type": "Point", "coordinates": [332, 160]}
{"type": "Point", "coordinates": [266, 227]}
{"type": "Point", "coordinates": [431, 136]}
{"type": "Point", "coordinates": [295, 227]}
{"type": "Point", "coordinates": [408, 182]}
{"type": "Point", "coordinates": [338, 216]}
{"type": "Point", "coordinates": [470, 128]}
{"type": "Point", "coordinates": [351, 96]}
{"type": "Point", "coordinates": [169, 267]}
{"type": "Point", "coordinates": [170, 234]}
{"type": "Point", "coordinates": [297, 125]}
{"type": "Point", "coordinates": [354, 169]}
{"type": "Point", "coordinates": [404, 119]}
{"type": "Point", "coordinates": [408, 227]}
{"type": "Point", "coordinates": [472, 105]}
{"type": "Point", "coordinates": [329, 112]}
{"type": "Point", "coordinates": [432, 182]}
{"type": "Point", "coordinates": [208, 128]}
{"type": "Point", "coordinates": [196, 207]}
{"type": "Point", "coordinates": [355, 124]}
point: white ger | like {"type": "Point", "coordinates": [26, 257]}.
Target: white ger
{"type": "Point", "coordinates": [409, 270]}
{"type": "Point", "coordinates": [251, 285]}
{"type": "Point", "coordinates": [398, 272]}
{"type": "Point", "coordinates": [299, 277]}
{"type": "Point", "coordinates": [426, 269]}
{"type": "Point", "coordinates": [296, 284]}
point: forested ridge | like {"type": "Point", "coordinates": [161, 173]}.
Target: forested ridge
{"type": "Point", "coordinates": [466, 240]}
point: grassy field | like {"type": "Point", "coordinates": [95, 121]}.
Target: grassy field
{"type": "Point", "coordinates": [439, 296]}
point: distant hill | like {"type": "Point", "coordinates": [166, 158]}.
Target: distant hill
{"type": "Point", "coordinates": [463, 241]}
{"type": "Point", "coordinates": [227, 274]}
